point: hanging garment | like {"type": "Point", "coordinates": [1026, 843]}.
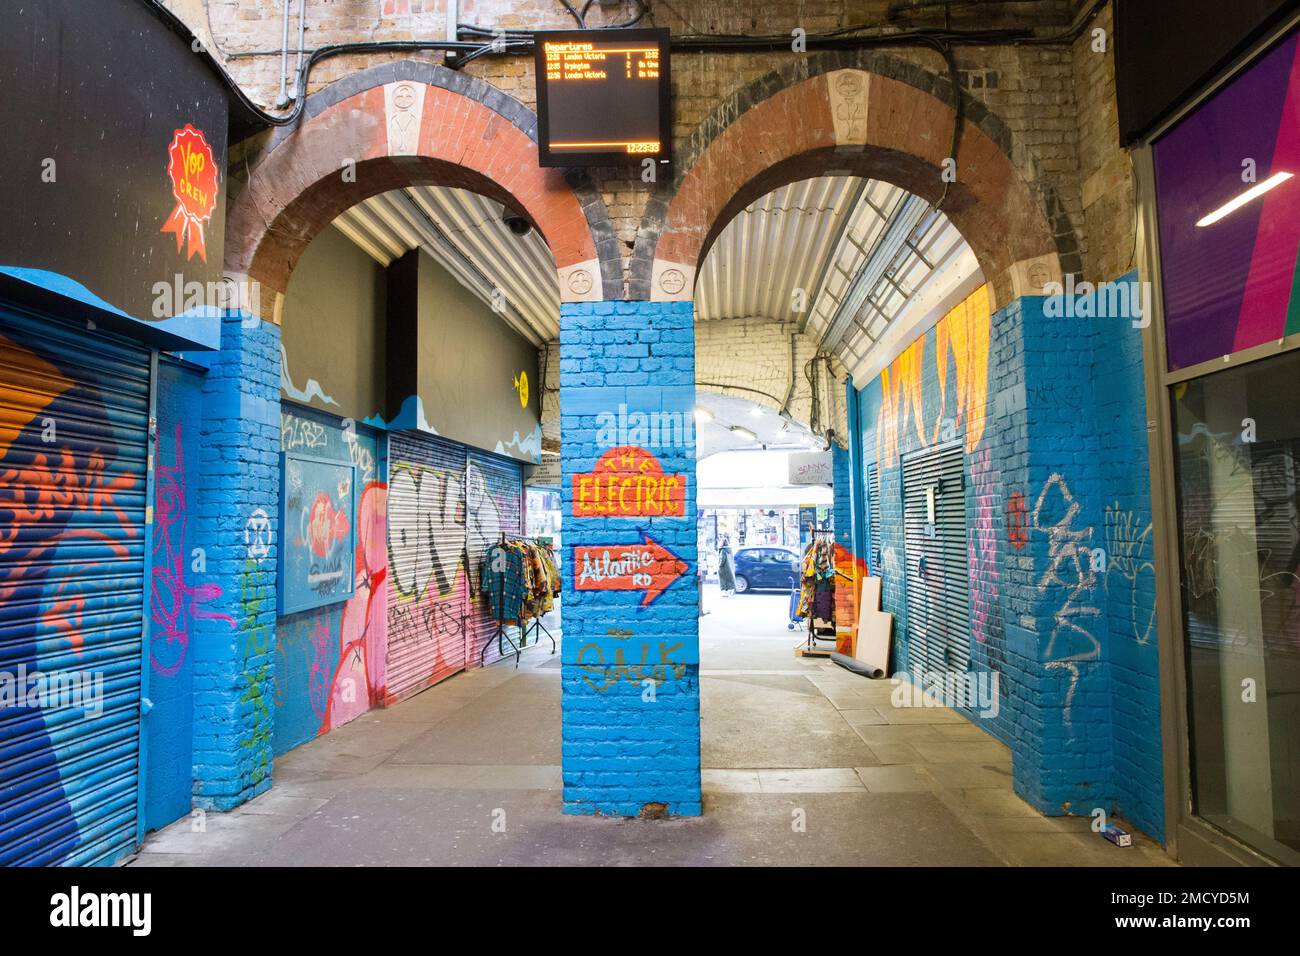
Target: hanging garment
{"type": "Point", "coordinates": [817, 584]}
{"type": "Point", "coordinates": [502, 581]}
{"type": "Point", "coordinates": [519, 580]}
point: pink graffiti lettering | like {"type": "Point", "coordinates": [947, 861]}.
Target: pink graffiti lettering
{"type": "Point", "coordinates": [174, 603]}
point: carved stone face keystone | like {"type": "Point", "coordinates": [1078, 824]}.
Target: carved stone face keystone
{"type": "Point", "coordinates": [1039, 275]}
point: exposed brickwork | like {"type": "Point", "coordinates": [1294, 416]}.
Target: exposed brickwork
{"type": "Point", "coordinates": [631, 698]}
{"type": "Point", "coordinates": [237, 527]}
{"type": "Point", "coordinates": [744, 358]}
{"type": "Point", "coordinates": [1055, 102]}
{"type": "Point", "coordinates": [780, 129]}
{"type": "Point", "coordinates": [1105, 169]}
{"type": "Point", "coordinates": [472, 136]}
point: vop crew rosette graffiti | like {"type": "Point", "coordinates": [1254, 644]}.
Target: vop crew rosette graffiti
{"type": "Point", "coordinates": [193, 171]}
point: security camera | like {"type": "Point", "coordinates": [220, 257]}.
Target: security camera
{"type": "Point", "coordinates": [517, 224]}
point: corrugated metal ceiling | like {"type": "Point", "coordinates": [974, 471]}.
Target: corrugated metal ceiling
{"type": "Point", "coordinates": [846, 256]}
{"type": "Point", "coordinates": [466, 233]}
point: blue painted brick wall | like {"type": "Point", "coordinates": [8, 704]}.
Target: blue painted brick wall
{"type": "Point", "coordinates": [1089, 428]}
{"type": "Point", "coordinates": [842, 476]}
{"type": "Point", "coordinates": [1065, 422]}
{"type": "Point", "coordinates": [234, 668]}
{"type": "Point", "coordinates": [628, 743]}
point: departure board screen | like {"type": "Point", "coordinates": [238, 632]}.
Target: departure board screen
{"type": "Point", "coordinates": [603, 97]}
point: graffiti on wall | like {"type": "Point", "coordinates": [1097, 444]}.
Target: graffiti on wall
{"type": "Point", "coordinates": [1127, 540]}
{"type": "Point", "coordinates": [445, 521]}
{"type": "Point", "coordinates": [330, 659]}
{"type": "Point", "coordinates": [628, 482]}
{"type": "Point", "coordinates": [602, 675]}
{"type": "Point", "coordinates": [317, 560]}
{"type": "Point", "coordinates": [44, 496]}
{"type": "Point", "coordinates": [1017, 520]}
{"type": "Point", "coordinates": [174, 602]}
{"type": "Point", "coordinates": [256, 638]}
{"type": "Point", "coordinates": [982, 544]}
{"type": "Point", "coordinates": [962, 335]}
{"type": "Point", "coordinates": [1071, 642]}
{"type": "Point", "coordinates": [426, 549]}
{"type": "Point", "coordinates": [356, 680]}
{"type": "Point", "coordinates": [646, 566]}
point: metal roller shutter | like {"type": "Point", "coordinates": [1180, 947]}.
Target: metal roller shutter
{"type": "Point", "coordinates": [428, 593]}
{"type": "Point", "coordinates": [74, 438]}
{"type": "Point", "coordinates": [937, 562]}
{"type": "Point", "coordinates": [873, 517]}
{"type": "Point", "coordinates": [494, 506]}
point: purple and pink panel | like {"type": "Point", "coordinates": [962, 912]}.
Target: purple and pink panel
{"type": "Point", "coordinates": [1231, 284]}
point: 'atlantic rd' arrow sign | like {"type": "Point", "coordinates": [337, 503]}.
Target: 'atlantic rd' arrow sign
{"type": "Point", "coordinates": [648, 566]}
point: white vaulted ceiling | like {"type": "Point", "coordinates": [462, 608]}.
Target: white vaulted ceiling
{"type": "Point", "coordinates": [869, 258]}
{"type": "Point", "coordinates": [465, 233]}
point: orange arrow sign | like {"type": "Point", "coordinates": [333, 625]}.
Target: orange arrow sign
{"type": "Point", "coordinates": [627, 567]}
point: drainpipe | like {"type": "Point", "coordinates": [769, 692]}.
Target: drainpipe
{"type": "Point", "coordinates": [283, 99]}
{"type": "Point", "coordinates": [858, 479]}
{"type": "Point", "coordinates": [299, 92]}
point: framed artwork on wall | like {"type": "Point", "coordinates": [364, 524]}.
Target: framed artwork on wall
{"type": "Point", "coordinates": [317, 539]}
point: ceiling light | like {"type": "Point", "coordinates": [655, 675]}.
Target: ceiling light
{"type": "Point", "coordinates": [703, 416]}
{"type": "Point", "coordinates": [756, 412]}
{"type": "Point", "coordinates": [1254, 192]}
{"type": "Point", "coordinates": [743, 433]}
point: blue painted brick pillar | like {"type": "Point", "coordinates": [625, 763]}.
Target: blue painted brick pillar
{"type": "Point", "coordinates": [236, 528]}
{"type": "Point", "coordinates": [631, 693]}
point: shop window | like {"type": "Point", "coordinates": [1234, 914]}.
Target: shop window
{"type": "Point", "coordinates": [1238, 462]}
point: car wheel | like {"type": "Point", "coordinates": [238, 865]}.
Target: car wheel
{"type": "Point", "coordinates": [742, 584]}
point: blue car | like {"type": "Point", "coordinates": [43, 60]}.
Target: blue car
{"type": "Point", "coordinates": [775, 569]}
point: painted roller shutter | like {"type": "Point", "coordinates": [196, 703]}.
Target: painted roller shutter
{"type": "Point", "coordinates": [873, 517]}
{"type": "Point", "coordinates": [494, 495]}
{"type": "Point", "coordinates": [428, 590]}
{"type": "Point", "coordinates": [74, 430]}
{"type": "Point", "coordinates": [938, 564]}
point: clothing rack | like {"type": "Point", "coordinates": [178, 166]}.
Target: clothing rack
{"type": "Point", "coordinates": [813, 636]}
{"type": "Point", "coordinates": [502, 638]}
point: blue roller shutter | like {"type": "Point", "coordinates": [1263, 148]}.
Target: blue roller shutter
{"type": "Point", "coordinates": [74, 430]}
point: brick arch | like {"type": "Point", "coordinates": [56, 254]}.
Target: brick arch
{"type": "Point", "coordinates": [868, 114]}
{"type": "Point", "coordinates": [470, 135]}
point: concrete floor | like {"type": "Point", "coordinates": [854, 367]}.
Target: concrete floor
{"type": "Point", "coordinates": [805, 765]}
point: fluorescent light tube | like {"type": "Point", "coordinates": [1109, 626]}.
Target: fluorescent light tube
{"type": "Point", "coordinates": [1254, 192]}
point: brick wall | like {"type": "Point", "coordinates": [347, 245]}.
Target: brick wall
{"type": "Point", "coordinates": [630, 671]}
{"type": "Point", "coordinates": [745, 358]}
{"type": "Point", "coordinates": [1058, 530]}
{"type": "Point", "coordinates": [1057, 101]}
{"type": "Point", "coordinates": [237, 528]}
{"type": "Point", "coordinates": [1105, 170]}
